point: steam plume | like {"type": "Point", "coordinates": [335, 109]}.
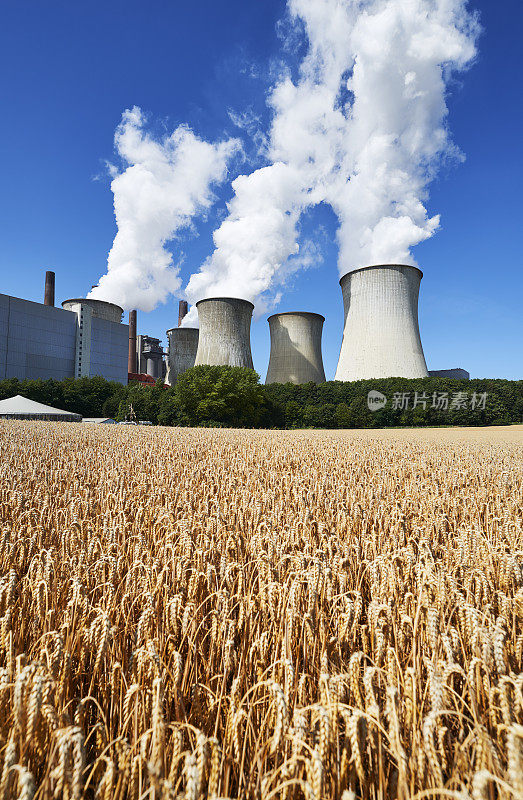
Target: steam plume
{"type": "Point", "coordinates": [164, 185]}
{"type": "Point", "coordinates": [363, 128]}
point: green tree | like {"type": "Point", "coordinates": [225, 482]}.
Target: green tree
{"type": "Point", "coordinates": [230, 395]}
{"type": "Point", "coordinates": [343, 416]}
{"type": "Point", "coordinates": [293, 415]}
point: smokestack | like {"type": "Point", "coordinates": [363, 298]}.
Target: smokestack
{"type": "Point", "coordinates": [183, 346]}
{"type": "Point", "coordinates": [381, 333]}
{"type": "Point", "coordinates": [131, 364]}
{"type": "Point", "coordinates": [49, 289]}
{"type": "Point", "coordinates": [225, 332]}
{"type": "Point", "coordinates": [296, 348]}
{"type": "Point", "coordinates": [182, 311]}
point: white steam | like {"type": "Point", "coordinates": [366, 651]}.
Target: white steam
{"type": "Point", "coordinates": [363, 128]}
{"type": "Point", "coordinates": [165, 184]}
{"type": "Point", "coordinates": [395, 134]}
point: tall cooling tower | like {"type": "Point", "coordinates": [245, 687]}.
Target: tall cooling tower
{"type": "Point", "coordinates": [295, 348]}
{"type": "Point", "coordinates": [183, 344]}
{"type": "Point", "coordinates": [381, 333]}
{"type": "Point", "coordinates": [225, 332]}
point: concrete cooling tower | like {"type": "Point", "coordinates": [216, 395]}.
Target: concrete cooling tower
{"type": "Point", "coordinates": [225, 332]}
{"type": "Point", "coordinates": [183, 345]}
{"type": "Point", "coordinates": [381, 333]}
{"type": "Point", "coordinates": [99, 309]}
{"type": "Point", "coordinates": [295, 348]}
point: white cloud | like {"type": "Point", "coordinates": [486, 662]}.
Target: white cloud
{"type": "Point", "coordinates": [363, 128]}
{"type": "Point", "coordinates": [164, 185]}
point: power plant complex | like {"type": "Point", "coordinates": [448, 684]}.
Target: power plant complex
{"type": "Point", "coordinates": [86, 337]}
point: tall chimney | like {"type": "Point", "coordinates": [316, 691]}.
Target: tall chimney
{"type": "Point", "coordinates": [49, 289]}
{"type": "Point", "coordinates": [182, 311]}
{"type": "Point", "coordinates": [131, 364]}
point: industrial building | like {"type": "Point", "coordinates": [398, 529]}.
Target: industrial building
{"type": "Point", "coordinates": [101, 341]}
{"type": "Point", "coordinates": [225, 332]}
{"type": "Point", "coordinates": [457, 372]}
{"type": "Point", "coordinates": [145, 361]}
{"type": "Point", "coordinates": [295, 348]}
{"type": "Point", "coordinates": [381, 336]}
{"type": "Point", "coordinates": [150, 356]}
{"type": "Point", "coordinates": [83, 339]}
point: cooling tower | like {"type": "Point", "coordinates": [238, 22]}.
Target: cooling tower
{"type": "Point", "coordinates": [295, 348]}
{"type": "Point", "coordinates": [183, 344]}
{"type": "Point", "coordinates": [98, 308]}
{"type": "Point", "coordinates": [225, 332]}
{"type": "Point", "coordinates": [381, 333]}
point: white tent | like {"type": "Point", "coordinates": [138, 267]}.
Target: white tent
{"type": "Point", "coordinates": [19, 407]}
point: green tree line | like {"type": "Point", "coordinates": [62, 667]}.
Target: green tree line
{"type": "Point", "coordinates": [234, 397]}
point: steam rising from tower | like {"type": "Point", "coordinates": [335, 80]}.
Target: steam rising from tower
{"type": "Point", "coordinates": [362, 128]}
{"type": "Point", "coordinates": [165, 183]}
{"type": "Point", "coordinates": [360, 125]}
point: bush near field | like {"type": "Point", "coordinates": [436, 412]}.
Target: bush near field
{"type": "Point", "coordinates": [233, 397]}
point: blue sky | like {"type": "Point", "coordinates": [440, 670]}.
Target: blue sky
{"type": "Point", "coordinates": [69, 70]}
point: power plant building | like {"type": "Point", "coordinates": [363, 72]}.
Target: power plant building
{"type": "Point", "coordinates": [86, 337]}
{"type": "Point", "coordinates": [82, 339]}
{"type": "Point", "coordinates": [102, 342]}
{"type": "Point", "coordinates": [295, 348]}
{"type": "Point", "coordinates": [381, 337]}
{"type": "Point", "coordinates": [457, 373]}
{"type": "Point", "coordinates": [225, 332]}
{"type": "Point", "coordinates": [149, 356]}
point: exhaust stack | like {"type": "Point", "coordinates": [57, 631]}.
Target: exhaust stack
{"type": "Point", "coordinates": [49, 289]}
{"type": "Point", "coordinates": [381, 336]}
{"type": "Point", "coordinates": [225, 332]}
{"type": "Point", "coordinates": [182, 311]}
{"type": "Point", "coordinates": [132, 360]}
{"type": "Point", "coordinates": [296, 348]}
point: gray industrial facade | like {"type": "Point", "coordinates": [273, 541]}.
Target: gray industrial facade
{"type": "Point", "coordinates": [42, 341]}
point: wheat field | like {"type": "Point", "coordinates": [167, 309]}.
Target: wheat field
{"type": "Point", "coordinates": [259, 614]}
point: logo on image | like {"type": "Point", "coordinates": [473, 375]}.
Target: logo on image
{"type": "Point", "coordinates": [376, 400]}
